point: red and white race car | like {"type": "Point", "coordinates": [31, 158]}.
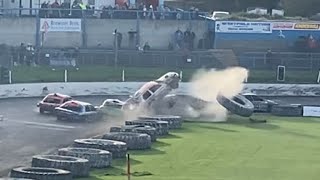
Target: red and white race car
{"type": "Point", "coordinates": [51, 101]}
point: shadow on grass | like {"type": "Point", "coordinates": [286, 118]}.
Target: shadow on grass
{"type": "Point", "coordinates": [152, 151]}
{"type": "Point", "coordinates": [217, 128]}
{"type": "Point", "coordinates": [245, 122]}
{"type": "Point", "coordinates": [160, 144]}
{"type": "Point", "coordinates": [170, 136]}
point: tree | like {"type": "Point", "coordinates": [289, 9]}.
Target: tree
{"type": "Point", "coordinates": [303, 8]}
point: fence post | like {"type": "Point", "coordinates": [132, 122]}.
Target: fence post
{"type": "Point", "coordinates": [123, 79]}
{"type": "Point", "coordinates": [318, 79]}
{"type": "Point", "coordinates": [10, 77]}
{"type": "Point", "coordinates": [128, 166]}
{"type": "Point", "coordinates": [37, 45]}
{"type": "Point", "coordinates": [180, 75]}
{"type": "Point", "coordinates": [65, 75]}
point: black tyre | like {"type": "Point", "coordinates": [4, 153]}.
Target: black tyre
{"type": "Point", "coordinates": [162, 127]}
{"type": "Point", "coordinates": [40, 173]}
{"type": "Point", "coordinates": [97, 158]}
{"type": "Point", "coordinates": [77, 166]}
{"type": "Point", "coordinates": [118, 149]}
{"type": "Point", "coordinates": [174, 122]}
{"type": "Point", "coordinates": [41, 110]}
{"type": "Point", "coordinates": [151, 131]}
{"type": "Point", "coordinates": [238, 105]}
{"type": "Point", "coordinates": [134, 141]}
{"type": "Point", "coordinates": [287, 110]}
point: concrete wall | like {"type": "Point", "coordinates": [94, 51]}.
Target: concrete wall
{"type": "Point", "coordinates": [13, 31]}
{"type": "Point", "coordinates": [157, 32]}
{"type": "Point", "coordinates": [128, 88]}
{"type": "Point", "coordinates": [99, 31]}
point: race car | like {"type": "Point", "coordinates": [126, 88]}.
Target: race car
{"type": "Point", "coordinates": [260, 104]}
{"type": "Point", "coordinates": [152, 92]}
{"type": "Point", "coordinates": [51, 101]}
{"type": "Point", "coordinates": [111, 107]}
{"type": "Point", "coordinates": [78, 111]}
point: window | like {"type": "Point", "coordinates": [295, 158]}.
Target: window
{"type": "Point", "coordinates": [146, 95]}
{"type": "Point", "coordinates": [52, 100]}
{"type": "Point", "coordinates": [66, 99]}
{"type": "Point", "coordinates": [90, 108]}
{"type": "Point", "coordinates": [256, 98]}
{"type": "Point", "coordinates": [248, 97]}
{"type": "Point", "coordinates": [154, 88]}
{"type": "Point", "coordinates": [75, 108]}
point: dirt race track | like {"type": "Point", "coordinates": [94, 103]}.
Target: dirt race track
{"type": "Point", "coordinates": [24, 132]}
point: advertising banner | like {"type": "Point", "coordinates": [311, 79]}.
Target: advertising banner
{"type": "Point", "coordinates": [311, 111]}
{"type": "Point", "coordinates": [295, 26]}
{"type": "Point", "coordinates": [60, 25]}
{"type": "Point", "coordinates": [242, 27]}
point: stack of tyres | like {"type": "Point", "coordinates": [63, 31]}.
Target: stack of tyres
{"type": "Point", "coordinates": [162, 127]}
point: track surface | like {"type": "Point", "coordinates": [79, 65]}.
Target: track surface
{"type": "Point", "coordinates": [24, 132]}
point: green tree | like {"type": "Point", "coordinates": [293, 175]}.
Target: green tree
{"type": "Point", "coordinates": [301, 7]}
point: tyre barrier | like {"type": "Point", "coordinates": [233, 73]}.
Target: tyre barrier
{"type": "Point", "coordinates": [162, 127]}
{"type": "Point", "coordinates": [38, 173]}
{"type": "Point", "coordinates": [151, 131]}
{"type": "Point", "coordinates": [238, 105]}
{"type": "Point", "coordinates": [77, 166]}
{"type": "Point", "coordinates": [287, 110]}
{"type": "Point", "coordinates": [134, 141]}
{"type": "Point", "coordinates": [174, 122]}
{"type": "Point", "coordinates": [118, 149]}
{"type": "Point", "coordinates": [97, 158]}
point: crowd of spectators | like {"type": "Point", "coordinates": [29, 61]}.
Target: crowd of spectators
{"type": "Point", "coordinates": [144, 11]}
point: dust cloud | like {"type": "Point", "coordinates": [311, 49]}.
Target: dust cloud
{"type": "Point", "coordinates": [207, 84]}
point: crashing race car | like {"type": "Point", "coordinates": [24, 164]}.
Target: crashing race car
{"type": "Point", "coordinates": [51, 101]}
{"type": "Point", "coordinates": [260, 104]}
{"type": "Point", "coordinates": [154, 97]}
{"type": "Point", "coordinates": [78, 111]}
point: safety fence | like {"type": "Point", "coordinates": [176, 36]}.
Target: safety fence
{"type": "Point", "coordinates": [104, 13]}
{"type": "Point", "coordinates": [101, 65]}
{"type": "Point", "coordinates": [292, 60]}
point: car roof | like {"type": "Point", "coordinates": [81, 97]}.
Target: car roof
{"type": "Point", "coordinates": [58, 95]}
{"type": "Point", "coordinates": [78, 102]}
{"type": "Point", "coordinates": [249, 94]}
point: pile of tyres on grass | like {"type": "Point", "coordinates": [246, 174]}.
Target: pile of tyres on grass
{"type": "Point", "coordinates": [85, 154]}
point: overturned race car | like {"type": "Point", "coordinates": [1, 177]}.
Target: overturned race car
{"type": "Point", "coordinates": [154, 98]}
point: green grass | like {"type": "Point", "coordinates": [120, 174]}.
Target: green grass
{"type": "Point", "coordinates": [282, 149]}
{"type": "Point", "coordinates": [24, 74]}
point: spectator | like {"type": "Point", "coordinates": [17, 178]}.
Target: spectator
{"type": "Point", "coordinates": [146, 47]}
{"type": "Point", "coordinates": [179, 38]}
{"type": "Point", "coordinates": [43, 12]}
{"type": "Point", "coordinates": [22, 53]}
{"type": "Point", "coordinates": [55, 12]}
{"type": "Point", "coordinates": [269, 61]}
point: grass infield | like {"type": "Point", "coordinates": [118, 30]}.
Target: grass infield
{"type": "Point", "coordinates": [281, 149]}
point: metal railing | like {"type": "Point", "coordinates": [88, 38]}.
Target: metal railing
{"type": "Point", "coordinates": [101, 13]}
{"type": "Point", "coordinates": [292, 60]}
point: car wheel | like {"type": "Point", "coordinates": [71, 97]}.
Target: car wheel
{"type": "Point", "coordinates": [41, 111]}
{"type": "Point", "coordinates": [238, 105]}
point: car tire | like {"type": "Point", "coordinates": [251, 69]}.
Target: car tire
{"type": "Point", "coordinates": [162, 127]}
{"type": "Point", "coordinates": [174, 122]}
{"type": "Point", "coordinates": [40, 173]}
{"type": "Point", "coordinates": [118, 149]}
{"type": "Point", "coordinates": [238, 105]}
{"type": "Point", "coordinates": [134, 141]}
{"type": "Point", "coordinates": [151, 131]}
{"type": "Point", "coordinates": [97, 158]}
{"type": "Point", "coordinates": [77, 166]}
{"type": "Point", "coordinates": [41, 110]}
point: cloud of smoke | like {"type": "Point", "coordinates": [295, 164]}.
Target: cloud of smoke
{"type": "Point", "coordinates": [207, 84]}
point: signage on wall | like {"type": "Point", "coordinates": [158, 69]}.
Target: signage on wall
{"type": "Point", "coordinates": [295, 26]}
{"type": "Point", "coordinates": [60, 25]}
{"type": "Point", "coordinates": [242, 27]}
